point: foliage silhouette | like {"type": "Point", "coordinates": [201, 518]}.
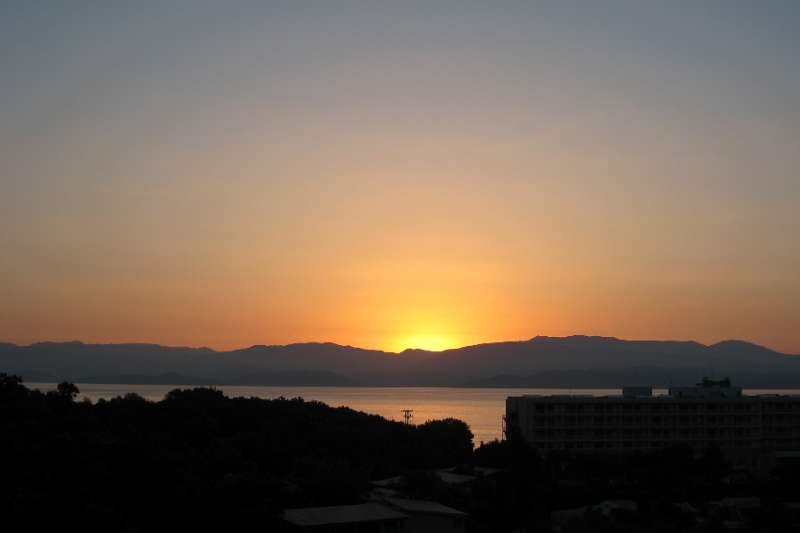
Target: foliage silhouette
{"type": "Point", "coordinates": [198, 453]}
{"type": "Point", "coordinates": [198, 449]}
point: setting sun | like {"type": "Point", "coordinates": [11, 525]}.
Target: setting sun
{"type": "Point", "coordinates": [427, 341]}
{"type": "Point", "coordinates": [427, 327]}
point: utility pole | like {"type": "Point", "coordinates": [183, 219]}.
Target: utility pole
{"type": "Point", "coordinates": [408, 415]}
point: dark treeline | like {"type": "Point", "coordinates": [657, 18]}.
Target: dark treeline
{"type": "Point", "coordinates": [674, 490]}
{"type": "Point", "coordinates": [663, 485]}
{"type": "Point", "coordinates": [209, 462]}
{"type": "Point", "coordinates": [198, 451]}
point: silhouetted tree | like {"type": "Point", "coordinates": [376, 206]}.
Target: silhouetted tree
{"type": "Point", "coordinates": [11, 386]}
{"type": "Point", "coordinates": [67, 390]}
{"type": "Point", "coordinates": [447, 441]}
{"type": "Point", "coordinates": [494, 453]}
{"type": "Point", "coordinates": [198, 449]}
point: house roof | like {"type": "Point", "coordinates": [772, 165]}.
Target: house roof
{"type": "Point", "coordinates": [388, 482]}
{"type": "Point", "coordinates": [450, 478]}
{"type": "Point", "coordinates": [341, 514]}
{"type": "Point", "coordinates": [422, 506]}
{"type": "Point", "coordinates": [487, 471]}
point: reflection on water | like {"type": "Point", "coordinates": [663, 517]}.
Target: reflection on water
{"type": "Point", "coordinates": [482, 409]}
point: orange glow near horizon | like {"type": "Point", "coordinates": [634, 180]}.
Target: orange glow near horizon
{"type": "Point", "coordinates": [430, 340]}
{"type": "Point", "coordinates": [398, 177]}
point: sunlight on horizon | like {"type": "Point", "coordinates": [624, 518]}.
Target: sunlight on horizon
{"type": "Point", "coordinates": [431, 342]}
{"type": "Point", "coordinates": [393, 176]}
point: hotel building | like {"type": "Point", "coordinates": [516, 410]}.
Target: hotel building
{"type": "Point", "coordinates": [711, 414]}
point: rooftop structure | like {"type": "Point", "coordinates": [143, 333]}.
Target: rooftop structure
{"type": "Point", "coordinates": [423, 507]}
{"type": "Point", "coordinates": [362, 517]}
{"type": "Point", "coordinates": [707, 388]}
{"type": "Point", "coordinates": [386, 513]}
{"type": "Point", "coordinates": [428, 516]}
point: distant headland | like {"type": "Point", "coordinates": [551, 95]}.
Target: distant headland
{"type": "Point", "coordinates": [574, 361]}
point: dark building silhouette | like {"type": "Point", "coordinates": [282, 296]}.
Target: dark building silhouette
{"type": "Point", "coordinates": [361, 518]}
{"type": "Point", "coordinates": [383, 515]}
{"type": "Point", "coordinates": [428, 517]}
{"type": "Point", "coordinates": [712, 414]}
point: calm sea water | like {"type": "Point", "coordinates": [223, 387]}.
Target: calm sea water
{"type": "Point", "coordinates": [482, 409]}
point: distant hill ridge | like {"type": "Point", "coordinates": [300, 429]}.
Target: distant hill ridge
{"type": "Point", "coordinates": [577, 361]}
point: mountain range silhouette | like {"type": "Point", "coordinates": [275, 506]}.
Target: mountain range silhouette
{"type": "Point", "coordinates": [574, 361]}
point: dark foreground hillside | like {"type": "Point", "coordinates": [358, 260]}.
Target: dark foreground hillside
{"type": "Point", "coordinates": [198, 452]}
{"type": "Point", "coordinates": [199, 461]}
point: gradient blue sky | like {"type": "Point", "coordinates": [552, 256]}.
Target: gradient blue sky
{"type": "Point", "coordinates": [394, 174]}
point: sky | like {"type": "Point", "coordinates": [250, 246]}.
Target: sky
{"type": "Point", "coordinates": [399, 174]}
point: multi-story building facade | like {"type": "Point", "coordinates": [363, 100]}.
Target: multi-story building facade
{"type": "Point", "coordinates": [711, 414]}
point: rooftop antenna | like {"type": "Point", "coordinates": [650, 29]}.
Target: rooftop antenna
{"type": "Point", "coordinates": [408, 415]}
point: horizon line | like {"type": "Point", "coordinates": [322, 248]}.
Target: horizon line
{"type": "Point", "coordinates": [410, 349]}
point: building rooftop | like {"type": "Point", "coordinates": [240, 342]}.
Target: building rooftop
{"type": "Point", "coordinates": [706, 389]}
{"type": "Point", "coordinates": [451, 478]}
{"type": "Point", "coordinates": [388, 482]}
{"type": "Point", "coordinates": [423, 506]}
{"type": "Point", "coordinates": [655, 397]}
{"type": "Point", "coordinates": [341, 514]}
